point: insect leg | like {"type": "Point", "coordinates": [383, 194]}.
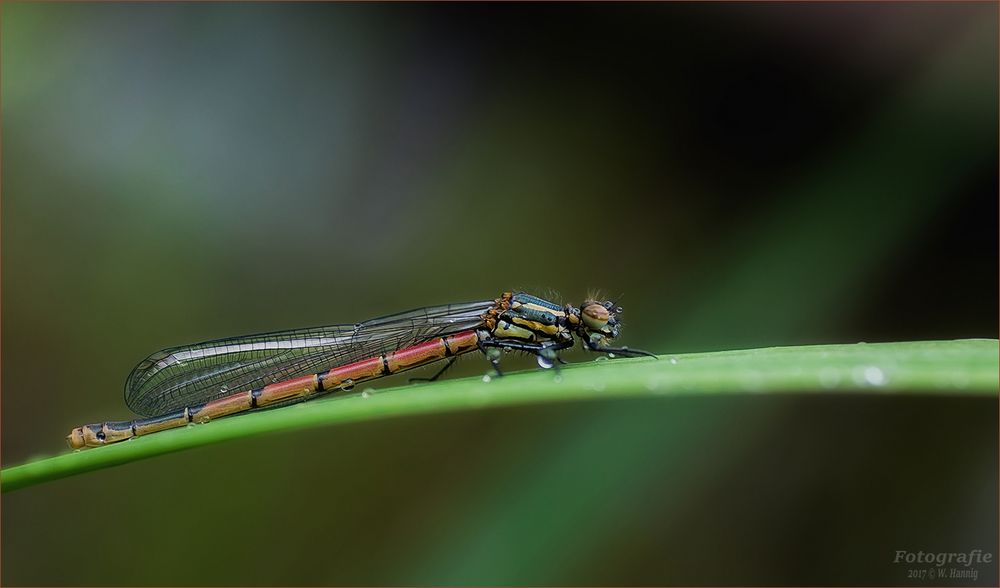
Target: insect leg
{"type": "Point", "coordinates": [440, 372]}
{"type": "Point", "coordinates": [623, 351]}
{"type": "Point", "coordinates": [545, 352]}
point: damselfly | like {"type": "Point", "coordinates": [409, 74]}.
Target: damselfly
{"type": "Point", "coordinates": [205, 381]}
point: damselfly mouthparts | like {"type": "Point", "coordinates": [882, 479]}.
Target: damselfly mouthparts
{"type": "Point", "coordinates": [200, 382]}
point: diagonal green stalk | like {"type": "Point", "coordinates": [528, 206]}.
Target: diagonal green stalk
{"type": "Point", "coordinates": [965, 367]}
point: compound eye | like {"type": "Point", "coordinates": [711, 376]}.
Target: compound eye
{"type": "Point", "coordinates": [595, 316]}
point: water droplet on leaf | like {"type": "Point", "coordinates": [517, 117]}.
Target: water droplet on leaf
{"type": "Point", "coordinates": [875, 376]}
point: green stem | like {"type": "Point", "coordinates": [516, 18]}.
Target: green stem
{"type": "Point", "coordinates": [966, 367]}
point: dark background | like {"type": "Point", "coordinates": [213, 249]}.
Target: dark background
{"type": "Point", "coordinates": [745, 174]}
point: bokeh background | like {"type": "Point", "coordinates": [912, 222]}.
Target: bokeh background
{"type": "Point", "coordinates": [744, 175]}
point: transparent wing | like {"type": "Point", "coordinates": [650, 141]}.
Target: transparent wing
{"type": "Point", "coordinates": [193, 374]}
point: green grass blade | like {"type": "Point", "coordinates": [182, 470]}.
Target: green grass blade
{"type": "Point", "coordinates": [965, 367]}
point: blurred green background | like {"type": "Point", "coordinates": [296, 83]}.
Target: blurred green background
{"type": "Point", "coordinates": [745, 175]}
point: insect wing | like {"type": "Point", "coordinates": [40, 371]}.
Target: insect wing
{"type": "Point", "coordinates": [193, 374]}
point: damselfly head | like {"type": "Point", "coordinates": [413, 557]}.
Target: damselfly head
{"type": "Point", "coordinates": [600, 318]}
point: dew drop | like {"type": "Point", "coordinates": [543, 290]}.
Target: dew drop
{"type": "Point", "coordinates": [874, 376]}
{"type": "Point", "coordinates": [486, 378]}
{"type": "Point", "coordinates": [557, 378]}
{"type": "Point", "coordinates": [673, 360]}
{"type": "Point", "coordinates": [347, 385]}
